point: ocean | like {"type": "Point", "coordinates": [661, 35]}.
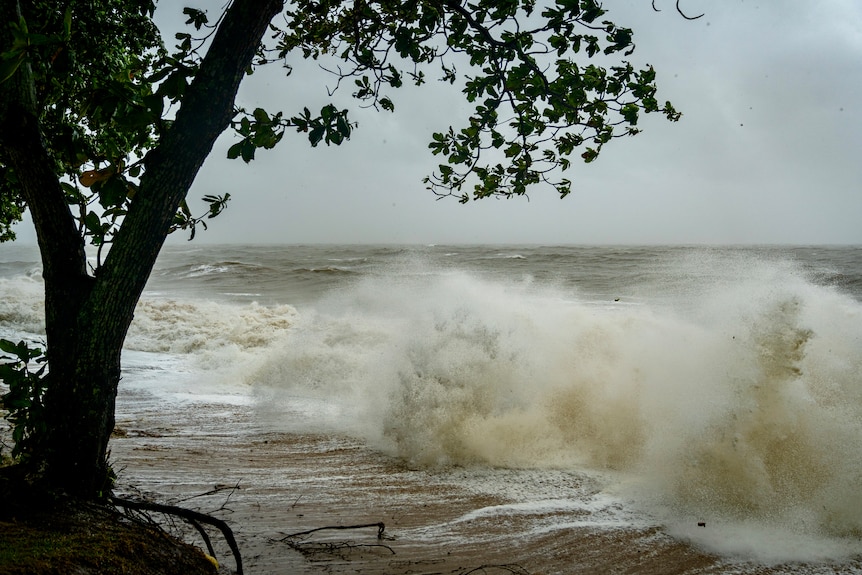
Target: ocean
{"type": "Point", "coordinates": [632, 409]}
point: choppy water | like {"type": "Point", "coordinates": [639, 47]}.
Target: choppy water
{"type": "Point", "coordinates": [684, 385]}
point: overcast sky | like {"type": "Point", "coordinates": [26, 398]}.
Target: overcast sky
{"type": "Point", "coordinates": [768, 149]}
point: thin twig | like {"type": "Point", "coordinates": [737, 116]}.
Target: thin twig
{"type": "Point", "coordinates": [217, 489]}
{"type": "Point", "coordinates": [295, 501]}
{"type": "Point", "coordinates": [683, 14]}
{"type": "Point", "coordinates": [512, 568]}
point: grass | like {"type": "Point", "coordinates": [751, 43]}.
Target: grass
{"type": "Point", "coordinates": [43, 535]}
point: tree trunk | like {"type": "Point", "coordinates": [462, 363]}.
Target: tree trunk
{"type": "Point", "coordinates": [87, 318]}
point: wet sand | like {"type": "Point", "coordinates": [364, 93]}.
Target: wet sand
{"type": "Point", "coordinates": [216, 457]}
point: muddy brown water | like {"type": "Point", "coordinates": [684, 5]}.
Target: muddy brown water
{"type": "Point", "coordinates": [217, 458]}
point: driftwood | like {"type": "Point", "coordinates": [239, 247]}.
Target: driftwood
{"type": "Point", "coordinates": [194, 518]}
{"type": "Point", "coordinates": [213, 491]}
{"type": "Point", "coordinates": [487, 569]}
{"type": "Point", "coordinates": [308, 548]}
{"type": "Point", "coordinates": [311, 549]}
{"type": "Point", "coordinates": [380, 527]}
{"type": "Point", "coordinates": [512, 568]}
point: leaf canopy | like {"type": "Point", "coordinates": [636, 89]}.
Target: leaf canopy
{"type": "Point", "coordinates": [547, 80]}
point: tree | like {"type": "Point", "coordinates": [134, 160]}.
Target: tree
{"type": "Point", "coordinates": [103, 130]}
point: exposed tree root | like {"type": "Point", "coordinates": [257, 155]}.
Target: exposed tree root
{"type": "Point", "coordinates": [194, 518]}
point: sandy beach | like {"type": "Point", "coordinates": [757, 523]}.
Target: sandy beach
{"type": "Point", "coordinates": [212, 455]}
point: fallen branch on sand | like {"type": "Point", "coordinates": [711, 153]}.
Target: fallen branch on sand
{"type": "Point", "coordinates": [509, 567]}
{"type": "Point", "coordinates": [213, 491]}
{"type": "Point", "coordinates": [194, 518]}
{"type": "Point", "coordinates": [380, 527]}
{"type": "Point", "coordinates": [341, 549]}
{"type": "Point", "coordinates": [313, 548]}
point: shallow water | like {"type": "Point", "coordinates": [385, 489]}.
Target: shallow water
{"type": "Point", "coordinates": [211, 453]}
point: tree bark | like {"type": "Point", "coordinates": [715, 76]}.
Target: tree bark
{"type": "Point", "coordinates": [87, 317]}
{"type": "Point", "coordinates": [67, 284]}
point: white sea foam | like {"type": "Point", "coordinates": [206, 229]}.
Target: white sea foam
{"type": "Point", "coordinates": [178, 326]}
{"type": "Point", "coordinates": [173, 345]}
{"type": "Point", "coordinates": [22, 308]}
{"type": "Point", "coordinates": [205, 270]}
{"type": "Point", "coordinates": [736, 401]}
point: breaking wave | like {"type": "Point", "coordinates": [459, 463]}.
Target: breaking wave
{"type": "Point", "coordinates": [732, 400]}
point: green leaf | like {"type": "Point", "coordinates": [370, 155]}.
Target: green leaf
{"type": "Point", "coordinates": [342, 126]}
{"type": "Point", "coordinates": [234, 151]}
{"type": "Point", "coordinates": [93, 224]}
{"type": "Point", "coordinates": [174, 86]}
{"type": "Point", "coordinates": [589, 155]}
{"type": "Point", "coordinates": [261, 116]}
{"type": "Point", "coordinates": [630, 113]}
{"type": "Point", "coordinates": [113, 191]}
{"type": "Point", "coordinates": [12, 348]}
{"type": "Point", "coordinates": [9, 65]}
{"type": "Point", "coordinates": [247, 150]}
{"type": "Point", "coordinates": [67, 23]}
{"type": "Point", "coordinates": [316, 134]}
{"type": "Point", "coordinates": [196, 17]}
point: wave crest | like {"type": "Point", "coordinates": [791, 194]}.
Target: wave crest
{"type": "Point", "coordinates": [163, 325]}
{"type": "Point", "coordinates": [740, 401]}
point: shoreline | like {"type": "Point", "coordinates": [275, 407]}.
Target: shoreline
{"type": "Point", "coordinates": [218, 458]}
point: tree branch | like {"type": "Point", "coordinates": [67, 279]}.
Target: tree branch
{"type": "Point", "coordinates": [206, 110]}
{"type": "Point", "coordinates": [681, 13]}
{"type": "Point", "coordinates": [22, 149]}
{"type": "Point", "coordinates": [380, 527]}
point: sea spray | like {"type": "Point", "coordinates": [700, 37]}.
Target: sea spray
{"type": "Point", "coordinates": [725, 400]}
{"type": "Point", "coordinates": [22, 309]}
